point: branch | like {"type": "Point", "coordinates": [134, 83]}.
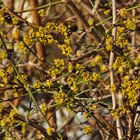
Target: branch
{"type": "Point", "coordinates": [112, 81]}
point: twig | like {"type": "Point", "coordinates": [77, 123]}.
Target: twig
{"type": "Point", "coordinates": [112, 81]}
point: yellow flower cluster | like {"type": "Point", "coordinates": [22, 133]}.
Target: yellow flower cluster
{"type": "Point", "coordinates": [49, 131]}
{"type": "Point", "coordinates": [131, 23]}
{"type": "Point", "coordinates": [70, 67]}
{"type": "Point", "coordinates": [59, 63]}
{"type": "Point", "coordinates": [109, 42]}
{"type": "Point", "coordinates": [43, 107]}
{"type": "Point", "coordinates": [3, 77]}
{"type": "Point", "coordinates": [9, 121]}
{"type": "Point", "coordinates": [36, 85]}
{"type": "Point", "coordinates": [123, 12]}
{"type": "Point", "coordinates": [48, 83]}
{"type": "Point", "coordinates": [22, 78]}
{"type": "Point", "coordinates": [3, 54]}
{"type": "Point", "coordinates": [53, 72]}
{"type": "Point", "coordinates": [86, 115]}
{"type": "Point", "coordinates": [121, 41]}
{"type": "Point", "coordinates": [96, 60]}
{"type": "Point", "coordinates": [21, 46]}
{"type": "Point", "coordinates": [94, 77]}
{"type": "Point", "coordinates": [60, 97]}
{"type": "Point", "coordinates": [42, 12]}
{"type": "Point", "coordinates": [120, 64]}
{"type": "Point", "coordinates": [72, 84]}
{"type": "Point", "coordinates": [129, 89]}
{"type": "Point", "coordinates": [103, 68]}
{"type": "Point", "coordinates": [43, 36]}
{"type": "Point", "coordinates": [2, 11]}
{"type": "Point", "coordinates": [113, 88]}
{"type": "Point", "coordinates": [107, 12]}
{"type": "Point", "coordinates": [28, 39]}
{"type": "Point", "coordinates": [66, 50]}
{"type": "Point", "coordinates": [87, 129]}
{"type": "Point", "coordinates": [86, 76]}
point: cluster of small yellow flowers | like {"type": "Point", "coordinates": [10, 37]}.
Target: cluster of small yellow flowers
{"type": "Point", "coordinates": [87, 129]}
{"type": "Point", "coordinates": [50, 26]}
{"type": "Point", "coordinates": [120, 30]}
{"type": "Point", "coordinates": [94, 77]}
{"type": "Point", "coordinates": [60, 97]}
{"type": "Point", "coordinates": [109, 42]}
{"type": "Point", "coordinates": [115, 113]}
{"type": "Point", "coordinates": [121, 40]}
{"type": "Point", "coordinates": [42, 12]}
{"type": "Point", "coordinates": [14, 21]}
{"type": "Point", "coordinates": [97, 59]}
{"type": "Point", "coordinates": [74, 88]}
{"type": "Point", "coordinates": [28, 39]}
{"type": "Point", "coordinates": [91, 21]}
{"type": "Point", "coordinates": [43, 107]}
{"type": "Point", "coordinates": [103, 68]}
{"type": "Point", "coordinates": [3, 54]}
{"type": "Point", "coordinates": [70, 67]}
{"type": "Point", "coordinates": [2, 73]}
{"type": "Point", "coordinates": [79, 66]}
{"type": "Point", "coordinates": [123, 109]}
{"type": "Point", "coordinates": [2, 11]}
{"type": "Point", "coordinates": [16, 34]}
{"type": "Point", "coordinates": [9, 121]}
{"type": "Point", "coordinates": [36, 85]}
{"type": "Point", "coordinates": [22, 78]}
{"type": "Point", "coordinates": [49, 131]}
{"type": "Point", "coordinates": [15, 93]}
{"type": "Point", "coordinates": [123, 12]}
{"type": "Point", "coordinates": [53, 72]}
{"type": "Point", "coordinates": [9, 70]}
{"type": "Point", "coordinates": [67, 41]}
{"type": "Point", "coordinates": [71, 80]}
{"type": "Point", "coordinates": [66, 50]}
{"type": "Point", "coordinates": [21, 46]}
{"type": "Point", "coordinates": [131, 23]}
{"type": "Point", "coordinates": [62, 29]}
{"type": "Point", "coordinates": [86, 115]}
{"type": "Point", "coordinates": [42, 35]}
{"type": "Point", "coordinates": [113, 88]}
{"type": "Point", "coordinates": [85, 76]}
{"type": "Point", "coordinates": [59, 63]}
{"type": "Point", "coordinates": [107, 12]}
{"type": "Point", "coordinates": [120, 64]}
{"type": "Point", "coordinates": [3, 77]}
{"type": "Point", "coordinates": [48, 83]}
{"type": "Point", "coordinates": [10, 47]}
{"type": "Point", "coordinates": [129, 89]}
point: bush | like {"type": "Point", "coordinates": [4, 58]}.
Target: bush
{"type": "Point", "coordinates": [69, 70]}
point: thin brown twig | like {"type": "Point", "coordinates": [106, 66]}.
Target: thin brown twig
{"type": "Point", "coordinates": [112, 81]}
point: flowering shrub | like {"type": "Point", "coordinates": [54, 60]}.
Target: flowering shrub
{"type": "Point", "coordinates": [64, 77]}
